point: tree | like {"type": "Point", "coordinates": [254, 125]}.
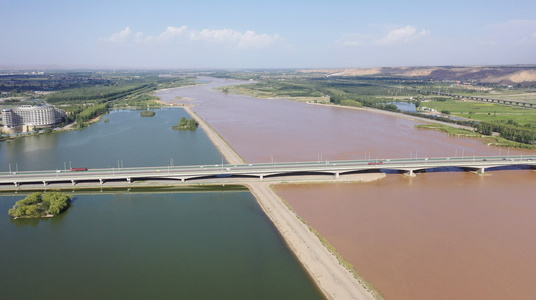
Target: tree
{"type": "Point", "coordinates": [390, 107]}
{"type": "Point", "coordinates": [186, 124]}
{"type": "Point", "coordinates": [486, 129]}
{"type": "Point", "coordinates": [32, 199]}
{"type": "Point", "coordinates": [37, 205]}
{"type": "Point", "coordinates": [350, 102]}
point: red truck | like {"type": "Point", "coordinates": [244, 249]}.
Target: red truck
{"type": "Point", "coordinates": [78, 169]}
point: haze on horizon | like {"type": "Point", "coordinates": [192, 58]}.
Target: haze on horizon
{"type": "Point", "coordinates": [265, 34]}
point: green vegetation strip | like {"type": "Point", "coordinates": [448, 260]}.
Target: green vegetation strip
{"type": "Point", "coordinates": [135, 189]}
{"type": "Point", "coordinates": [491, 140]}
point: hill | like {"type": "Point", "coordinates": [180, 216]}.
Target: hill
{"type": "Point", "coordinates": [484, 74]}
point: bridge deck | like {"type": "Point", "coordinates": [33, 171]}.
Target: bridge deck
{"type": "Point", "coordinates": [188, 173]}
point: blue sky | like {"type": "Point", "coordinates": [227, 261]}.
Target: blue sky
{"type": "Point", "coordinates": [265, 34]}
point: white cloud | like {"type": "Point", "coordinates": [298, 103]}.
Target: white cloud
{"type": "Point", "coordinates": [402, 35]}
{"type": "Point", "coordinates": [248, 39]}
{"type": "Point", "coordinates": [397, 36]}
{"type": "Point", "coordinates": [119, 37]}
{"type": "Point", "coordinates": [252, 40]}
{"type": "Point", "coordinates": [241, 40]}
{"type": "Point", "coordinates": [169, 34]}
{"type": "Point", "coordinates": [216, 35]}
{"type": "Point", "coordinates": [139, 37]}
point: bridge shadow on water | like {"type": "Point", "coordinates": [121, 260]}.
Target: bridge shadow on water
{"type": "Point", "coordinates": [506, 168]}
{"type": "Point", "coordinates": [458, 169]}
{"type": "Point", "coordinates": [431, 170]}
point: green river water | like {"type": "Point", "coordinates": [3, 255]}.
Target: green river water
{"type": "Point", "coordinates": [169, 245]}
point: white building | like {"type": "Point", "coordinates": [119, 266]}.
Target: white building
{"type": "Point", "coordinates": [30, 117]}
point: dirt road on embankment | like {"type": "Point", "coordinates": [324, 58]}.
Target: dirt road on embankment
{"type": "Point", "coordinates": [335, 281]}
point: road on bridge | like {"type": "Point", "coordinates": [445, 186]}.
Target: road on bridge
{"type": "Point", "coordinates": [335, 168]}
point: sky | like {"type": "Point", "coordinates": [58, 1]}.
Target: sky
{"type": "Point", "coordinates": [238, 34]}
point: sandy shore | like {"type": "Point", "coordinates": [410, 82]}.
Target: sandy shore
{"type": "Point", "coordinates": [335, 281]}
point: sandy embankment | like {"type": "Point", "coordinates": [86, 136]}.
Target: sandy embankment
{"type": "Point", "coordinates": [335, 281]}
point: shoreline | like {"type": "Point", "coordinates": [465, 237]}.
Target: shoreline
{"type": "Point", "coordinates": [331, 277]}
{"type": "Point", "coordinates": [395, 114]}
{"type": "Point", "coordinates": [68, 127]}
{"type": "Point", "coordinates": [370, 109]}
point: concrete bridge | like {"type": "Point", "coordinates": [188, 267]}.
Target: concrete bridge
{"type": "Point", "coordinates": [482, 99]}
{"type": "Point", "coordinates": [198, 173]}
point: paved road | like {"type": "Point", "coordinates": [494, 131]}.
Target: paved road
{"type": "Point", "coordinates": [262, 170]}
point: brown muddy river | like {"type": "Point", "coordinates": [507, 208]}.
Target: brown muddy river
{"type": "Point", "coordinates": [437, 236]}
{"type": "Point", "coordinates": [450, 235]}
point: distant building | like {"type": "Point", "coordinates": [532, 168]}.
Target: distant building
{"type": "Point", "coordinates": [29, 117]}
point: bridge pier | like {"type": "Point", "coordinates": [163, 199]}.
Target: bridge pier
{"type": "Point", "coordinates": [337, 175]}
{"type": "Point", "coordinates": [481, 170]}
{"type": "Point", "coordinates": [45, 183]}
{"type": "Point", "coordinates": [101, 181]}
{"type": "Point", "coordinates": [73, 182]}
{"type": "Point", "coordinates": [261, 177]}
{"type": "Point", "coordinates": [16, 184]}
{"type": "Point", "coordinates": [129, 180]}
{"type": "Point", "coordinates": [410, 173]}
{"type": "Point", "coordinates": [183, 179]}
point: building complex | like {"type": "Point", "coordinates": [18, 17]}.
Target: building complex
{"type": "Point", "coordinates": [29, 117]}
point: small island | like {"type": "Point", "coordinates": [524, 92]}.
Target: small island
{"type": "Point", "coordinates": [147, 113]}
{"type": "Point", "coordinates": [38, 205]}
{"type": "Point", "coordinates": [186, 124]}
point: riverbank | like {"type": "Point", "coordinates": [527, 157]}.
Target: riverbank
{"type": "Point", "coordinates": [67, 127]}
{"type": "Point", "coordinates": [325, 101]}
{"type": "Point", "coordinates": [335, 281]}
{"type": "Point", "coordinates": [397, 114]}
{"type": "Point", "coordinates": [389, 231]}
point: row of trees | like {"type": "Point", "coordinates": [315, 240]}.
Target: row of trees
{"type": "Point", "coordinates": [508, 131]}
{"type": "Point", "coordinates": [99, 93]}
{"type": "Point", "coordinates": [353, 103]}
{"type": "Point", "coordinates": [88, 113]}
{"type": "Point", "coordinates": [39, 205]}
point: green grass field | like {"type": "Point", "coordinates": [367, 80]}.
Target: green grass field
{"type": "Point", "coordinates": [485, 111]}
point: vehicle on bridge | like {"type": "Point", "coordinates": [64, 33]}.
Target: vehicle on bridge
{"type": "Point", "coordinates": [408, 166]}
